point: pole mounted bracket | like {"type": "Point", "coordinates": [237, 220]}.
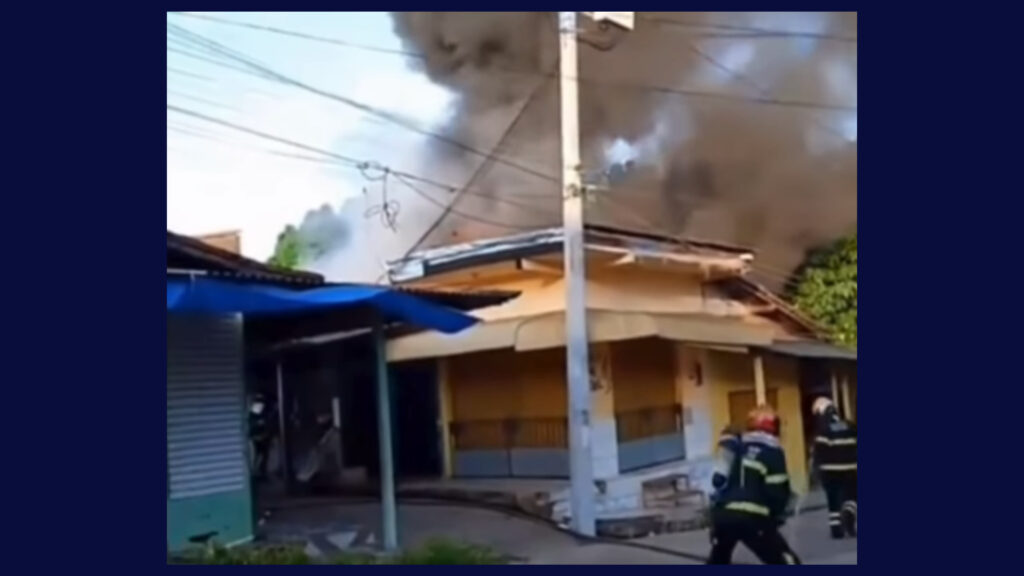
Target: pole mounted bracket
{"type": "Point", "coordinates": [574, 191]}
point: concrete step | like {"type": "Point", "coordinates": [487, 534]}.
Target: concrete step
{"type": "Point", "coordinates": [640, 523]}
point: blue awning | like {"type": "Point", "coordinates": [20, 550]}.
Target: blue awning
{"type": "Point", "coordinates": [215, 296]}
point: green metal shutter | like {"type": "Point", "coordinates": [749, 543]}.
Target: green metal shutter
{"type": "Point", "coordinates": [206, 444]}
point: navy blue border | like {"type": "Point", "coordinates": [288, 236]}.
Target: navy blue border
{"type": "Point", "coordinates": [83, 416]}
{"type": "Point", "coordinates": [85, 376]}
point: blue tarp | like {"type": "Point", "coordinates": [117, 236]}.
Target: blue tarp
{"type": "Point", "coordinates": [216, 296]}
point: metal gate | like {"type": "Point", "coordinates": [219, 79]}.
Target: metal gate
{"type": "Point", "coordinates": [206, 445]}
{"type": "Point", "coordinates": [650, 436]}
{"type": "Point", "coordinates": [523, 448]}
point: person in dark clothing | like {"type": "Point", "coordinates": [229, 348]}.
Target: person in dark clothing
{"type": "Point", "coordinates": [835, 455]}
{"type": "Point", "coordinates": [753, 503]}
{"type": "Point", "coordinates": [259, 434]}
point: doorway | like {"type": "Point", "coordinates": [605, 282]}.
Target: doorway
{"type": "Point", "coordinates": [416, 414]}
{"type": "Point", "coordinates": [742, 402]}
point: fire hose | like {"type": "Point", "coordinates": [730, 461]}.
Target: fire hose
{"type": "Point", "coordinates": [439, 500]}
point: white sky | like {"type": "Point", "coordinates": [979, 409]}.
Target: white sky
{"type": "Point", "coordinates": [224, 180]}
{"type": "Point", "coordinates": [219, 179]}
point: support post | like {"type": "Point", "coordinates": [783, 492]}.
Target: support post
{"type": "Point", "coordinates": [760, 390]}
{"type": "Point", "coordinates": [336, 421]}
{"type": "Point", "coordinates": [389, 512]}
{"type": "Point", "coordinates": [847, 407]}
{"type": "Point", "coordinates": [282, 425]}
{"type": "Point", "coordinates": [445, 420]}
{"type": "Point", "coordinates": [835, 390]}
{"type": "Point", "coordinates": [581, 472]}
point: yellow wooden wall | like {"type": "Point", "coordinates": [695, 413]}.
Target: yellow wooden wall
{"type": "Point", "coordinates": [643, 373]}
{"type": "Point", "coordinates": [504, 384]}
{"type": "Point", "coordinates": [728, 372]}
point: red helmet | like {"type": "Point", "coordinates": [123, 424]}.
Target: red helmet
{"type": "Point", "coordinates": [763, 419]}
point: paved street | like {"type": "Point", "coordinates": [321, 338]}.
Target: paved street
{"type": "Point", "coordinates": [807, 534]}
{"type": "Point", "coordinates": [537, 544]}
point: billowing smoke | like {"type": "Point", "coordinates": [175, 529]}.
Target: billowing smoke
{"type": "Point", "coordinates": [321, 232]}
{"type": "Point", "coordinates": [698, 124]}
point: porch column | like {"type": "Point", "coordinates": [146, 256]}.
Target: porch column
{"type": "Point", "coordinates": [444, 390]}
{"type": "Point", "coordinates": [604, 447]}
{"type": "Point", "coordinates": [389, 511]}
{"type": "Point", "coordinates": [336, 421]}
{"type": "Point", "coordinates": [835, 389]}
{"type": "Point", "coordinates": [847, 407]}
{"type": "Point", "coordinates": [282, 429]}
{"type": "Point", "coordinates": [760, 391]}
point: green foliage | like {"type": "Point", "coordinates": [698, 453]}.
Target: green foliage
{"type": "Point", "coordinates": [320, 231]}
{"type": "Point", "coordinates": [288, 252]}
{"type": "Point", "coordinates": [438, 552]}
{"type": "Point", "coordinates": [826, 289]}
{"type": "Point", "coordinates": [447, 553]}
{"type": "Point", "coordinates": [244, 555]}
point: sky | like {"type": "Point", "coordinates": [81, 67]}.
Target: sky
{"type": "Point", "coordinates": [221, 179]}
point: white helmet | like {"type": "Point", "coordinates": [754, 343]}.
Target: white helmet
{"type": "Point", "coordinates": [821, 406]}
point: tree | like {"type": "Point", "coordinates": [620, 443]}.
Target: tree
{"type": "Point", "coordinates": [288, 252]}
{"type": "Point", "coordinates": [321, 231]}
{"type": "Point", "coordinates": [825, 289]}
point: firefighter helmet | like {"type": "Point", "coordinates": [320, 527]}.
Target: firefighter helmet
{"type": "Point", "coordinates": [822, 406]}
{"type": "Point", "coordinates": [763, 419]}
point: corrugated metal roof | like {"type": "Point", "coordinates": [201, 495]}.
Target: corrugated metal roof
{"type": "Point", "coordinates": [184, 252]}
{"type": "Point", "coordinates": [537, 242]}
{"type": "Point", "coordinates": [812, 349]}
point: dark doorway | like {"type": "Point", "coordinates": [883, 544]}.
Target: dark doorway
{"type": "Point", "coordinates": [416, 411]}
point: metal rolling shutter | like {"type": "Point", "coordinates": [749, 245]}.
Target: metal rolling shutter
{"type": "Point", "coordinates": [206, 444]}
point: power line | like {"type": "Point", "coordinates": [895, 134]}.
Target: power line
{"type": "Point", "coordinates": [200, 100]}
{"type": "Point", "coordinates": [369, 169]}
{"type": "Point", "coordinates": [174, 70]}
{"type": "Point", "coordinates": [270, 74]}
{"type": "Point", "coordinates": [605, 83]}
{"type": "Point", "coordinates": [347, 161]}
{"type": "Point", "coordinates": [193, 133]}
{"type": "Point", "coordinates": [209, 60]}
{"type": "Point", "coordinates": [480, 171]}
{"type": "Point", "coordinates": [732, 31]}
{"type": "Point", "coordinates": [755, 86]}
{"type": "Point", "coordinates": [363, 107]}
{"type": "Point", "coordinates": [749, 30]}
{"type": "Point", "coordinates": [465, 215]}
{"type": "Point", "coordinates": [303, 35]}
{"type": "Point", "coordinates": [363, 166]}
{"type": "Point", "coordinates": [211, 136]}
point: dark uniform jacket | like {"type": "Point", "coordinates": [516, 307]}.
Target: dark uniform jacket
{"type": "Point", "coordinates": [728, 450]}
{"type": "Point", "coordinates": [835, 446]}
{"type": "Point", "coordinates": [759, 483]}
{"type": "Point", "coordinates": [259, 431]}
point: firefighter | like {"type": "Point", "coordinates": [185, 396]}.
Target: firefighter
{"type": "Point", "coordinates": [259, 434]}
{"type": "Point", "coordinates": [835, 454]}
{"type": "Point", "coordinates": [754, 501]}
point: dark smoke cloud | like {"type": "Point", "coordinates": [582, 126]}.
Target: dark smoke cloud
{"type": "Point", "coordinates": [320, 232]}
{"type": "Point", "coordinates": [780, 179]}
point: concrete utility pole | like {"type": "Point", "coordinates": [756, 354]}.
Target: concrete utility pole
{"type": "Point", "coordinates": [581, 466]}
{"type": "Point", "coordinates": [581, 472]}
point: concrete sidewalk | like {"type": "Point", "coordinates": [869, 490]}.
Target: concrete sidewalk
{"type": "Point", "coordinates": [535, 543]}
